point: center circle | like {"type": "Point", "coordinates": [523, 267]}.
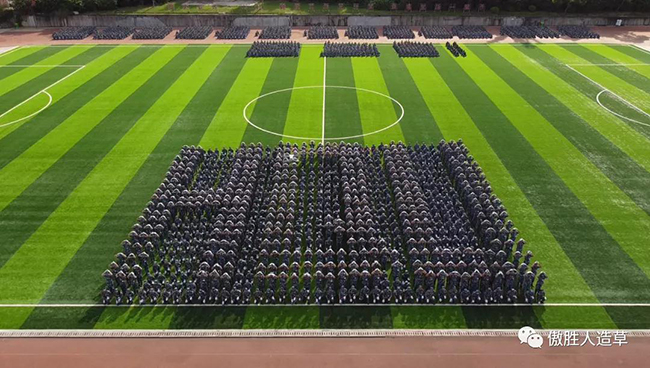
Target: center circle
{"type": "Point", "coordinates": [322, 138]}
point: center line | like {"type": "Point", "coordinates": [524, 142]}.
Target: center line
{"type": "Point", "coordinates": [324, 84]}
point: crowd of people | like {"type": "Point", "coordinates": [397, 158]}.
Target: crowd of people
{"type": "Point", "coordinates": [324, 224]}
{"type": "Point", "coordinates": [234, 33]}
{"type": "Point", "coordinates": [275, 33]}
{"type": "Point", "coordinates": [349, 49]}
{"type": "Point", "coordinates": [528, 32]}
{"type": "Point", "coordinates": [151, 33]}
{"type": "Point", "coordinates": [194, 33]}
{"type": "Point", "coordinates": [398, 32]}
{"type": "Point", "coordinates": [455, 49]}
{"type": "Point", "coordinates": [435, 32]}
{"type": "Point", "coordinates": [274, 49]}
{"type": "Point", "coordinates": [471, 32]}
{"type": "Point", "coordinates": [322, 33]}
{"type": "Point", "coordinates": [415, 49]}
{"type": "Point", "coordinates": [577, 32]}
{"type": "Point", "coordinates": [361, 33]}
{"type": "Point", "coordinates": [113, 33]}
{"type": "Point", "coordinates": [73, 33]}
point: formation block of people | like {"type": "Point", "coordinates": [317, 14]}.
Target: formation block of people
{"type": "Point", "coordinates": [322, 33]}
{"type": "Point", "coordinates": [455, 49]}
{"type": "Point", "coordinates": [274, 49]}
{"type": "Point", "coordinates": [349, 49]}
{"type": "Point", "coordinates": [194, 33]}
{"type": "Point", "coordinates": [73, 33]}
{"type": "Point", "coordinates": [435, 32]}
{"type": "Point", "coordinates": [233, 33]}
{"type": "Point", "coordinates": [415, 49]}
{"type": "Point", "coordinates": [528, 32]}
{"type": "Point", "coordinates": [471, 32]}
{"type": "Point", "coordinates": [151, 33]}
{"type": "Point", "coordinates": [275, 33]}
{"type": "Point", "coordinates": [362, 33]}
{"type": "Point", "coordinates": [324, 224]}
{"type": "Point", "coordinates": [113, 33]}
{"type": "Point", "coordinates": [577, 32]}
{"type": "Point", "coordinates": [398, 32]}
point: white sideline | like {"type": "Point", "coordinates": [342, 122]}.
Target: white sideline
{"type": "Point", "coordinates": [288, 333]}
{"type": "Point", "coordinates": [7, 50]}
{"type": "Point", "coordinates": [44, 90]}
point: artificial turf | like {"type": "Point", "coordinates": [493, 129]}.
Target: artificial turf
{"type": "Point", "coordinates": [573, 177]}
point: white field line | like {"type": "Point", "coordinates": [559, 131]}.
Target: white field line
{"type": "Point", "coordinates": [612, 64]}
{"type": "Point", "coordinates": [44, 90]}
{"type": "Point", "coordinates": [4, 51]}
{"type": "Point", "coordinates": [604, 89]}
{"type": "Point", "coordinates": [641, 48]}
{"type": "Point", "coordinates": [96, 305]}
{"type": "Point", "coordinates": [323, 333]}
{"type": "Point", "coordinates": [324, 93]}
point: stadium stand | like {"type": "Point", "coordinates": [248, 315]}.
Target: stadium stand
{"type": "Point", "coordinates": [151, 33]}
{"type": "Point", "coordinates": [415, 49]}
{"type": "Point", "coordinates": [73, 33]}
{"type": "Point", "coordinates": [333, 224]}
{"type": "Point", "coordinates": [322, 33]}
{"type": "Point", "coordinates": [471, 32]}
{"type": "Point", "coordinates": [233, 33]}
{"type": "Point", "coordinates": [274, 49]}
{"type": "Point", "coordinates": [361, 32]}
{"type": "Point", "coordinates": [435, 32]}
{"type": "Point", "coordinates": [398, 32]}
{"type": "Point", "coordinates": [528, 32]}
{"type": "Point", "coordinates": [577, 32]}
{"type": "Point", "coordinates": [349, 49]}
{"type": "Point", "coordinates": [275, 33]}
{"type": "Point", "coordinates": [194, 33]}
{"type": "Point", "coordinates": [113, 33]}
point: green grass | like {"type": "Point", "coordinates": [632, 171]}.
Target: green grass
{"type": "Point", "coordinates": [75, 177]}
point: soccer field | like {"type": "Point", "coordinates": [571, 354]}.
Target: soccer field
{"type": "Point", "coordinates": [562, 132]}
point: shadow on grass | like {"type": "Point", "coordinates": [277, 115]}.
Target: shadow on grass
{"type": "Point", "coordinates": [500, 317]}
{"type": "Point", "coordinates": [355, 317]}
{"type": "Point", "coordinates": [208, 318]}
{"type": "Point", "coordinates": [427, 317]}
{"type": "Point", "coordinates": [630, 317]}
{"type": "Point", "coordinates": [63, 318]}
{"type": "Point", "coordinates": [290, 317]}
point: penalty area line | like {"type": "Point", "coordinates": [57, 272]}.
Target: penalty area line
{"type": "Point", "coordinates": [44, 90]}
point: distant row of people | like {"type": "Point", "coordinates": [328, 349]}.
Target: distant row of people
{"type": "Point", "coordinates": [349, 49]}
{"type": "Point", "coordinates": [471, 32]}
{"type": "Point", "coordinates": [73, 33]}
{"type": "Point", "coordinates": [274, 49]}
{"type": "Point", "coordinates": [114, 33]}
{"type": "Point", "coordinates": [233, 33]}
{"type": "Point", "coordinates": [322, 33]}
{"type": "Point", "coordinates": [415, 49]}
{"type": "Point", "coordinates": [194, 33]}
{"type": "Point", "coordinates": [151, 33]}
{"type": "Point", "coordinates": [577, 32]}
{"type": "Point", "coordinates": [362, 32]}
{"type": "Point", "coordinates": [275, 33]}
{"type": "Point", "coordinates": [528, 32]}
{"type": "Point", "coordinates": [455, 49]}
{"type": "Point", "coordinates": [398, 32]}
{"type": "Point", "coordinates": [435, 32]}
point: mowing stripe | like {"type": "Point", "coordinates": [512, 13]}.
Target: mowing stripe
{"type": "Point", "coordinates": [605, 202]}
{"type": "Point", "coordinates": [24, 56]}
{"type": "Point", "coordinates": [282, 317]}
{"type": "Point", "coordinates": [271, 112]}
{"type": "Point", "coordinates": [602, 56]}
{"type": "Point", "coordinates": [578, 95]}
{"type": "Point", "coordinates": [22, 171]}
{"type": "Point", "coordinates": [35, 85]}
{"type": "Point", "coordinates": [68, 227]}
{"type": "Point", "coordinates": [28, 211]}
{"type": "Point", "coordinates": [376, 112]}
{"type": "Point", "coordinates": [11, 56]}
{"type": "Point", "coordinates": [627, 223]}
{"type": "Point", "coordinates": [618, 55]}
{"type": "Point", "coordinates": [69, 97]}
{"type": "Point", "coordinates": [80, 280]}
{"type": "Point", "coordinates": [417, 125]}
{"type": "Point", "coordinates": [341, 105]}
{"type": "Point", "coordinates": [566, 283]}
{"type": "Point", "coordinates": [26, 74]}
{"type": "Point", "coordinates": [305, 115]}
{"type": "Point", "coordinates": [588, 245]}
{"type": "Point", "coordinates": [228, 126]}
{"type": "Point", "coordinates": [638, 54]}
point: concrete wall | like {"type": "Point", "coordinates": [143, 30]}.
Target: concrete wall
{"type": "Point", "coordinates": [308, 20]}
